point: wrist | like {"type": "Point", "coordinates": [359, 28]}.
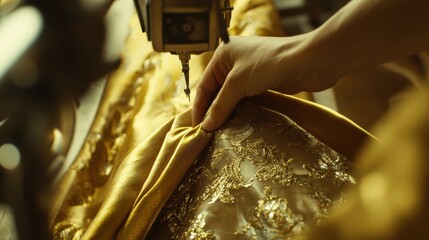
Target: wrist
{"type": "Point", "coordinates": [314, 68]}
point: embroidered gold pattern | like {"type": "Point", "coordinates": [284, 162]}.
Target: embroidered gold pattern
{"type": "Point", "coordinates": [196, 230]}
{"type": "Point", "coordinates": [104, 145]}
{"type": "Point", "coordinates": [183, 213]}
{"type": "Point", "coordinates": [100, 150]}
{"type": "Point", "coordinates": [258, 148]}
{"type": "Point", "coordinates": [66, 231]}
{"type": "Point", "coordinates": [272, 217]}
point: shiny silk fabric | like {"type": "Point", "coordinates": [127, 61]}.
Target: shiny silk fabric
{"type": "Point", "coordinates": [141, 150]}
{"type": "Point", "coordinates": [262, 177]}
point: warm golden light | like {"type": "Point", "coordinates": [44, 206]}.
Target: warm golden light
{"type": "Point", "coordinates": [9, 156]}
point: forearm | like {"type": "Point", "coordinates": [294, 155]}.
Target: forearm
{"type": "Point", "coordinates": [366, 33]}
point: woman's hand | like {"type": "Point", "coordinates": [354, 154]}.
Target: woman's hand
{"type": "Point", "coordinates": [248, 66]}
{"type": "Point", "coordinates": [362, 34]}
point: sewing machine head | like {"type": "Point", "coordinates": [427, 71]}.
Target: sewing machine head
{"type": "Point", "coordinates": [184, 27]}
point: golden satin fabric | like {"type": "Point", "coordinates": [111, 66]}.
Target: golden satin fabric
{"type": "Point", "coordinates": [262, 177]}
{"type": "Point", "coordinates": [141, 145]}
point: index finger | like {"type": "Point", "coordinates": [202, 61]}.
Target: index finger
{"type": "Point", "coordinates": [212, 80]}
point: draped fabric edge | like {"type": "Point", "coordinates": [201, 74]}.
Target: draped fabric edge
{"type": "Point", "coordinates": [154, 169]}
{"type": "Point", "coordinates": [330, 127]}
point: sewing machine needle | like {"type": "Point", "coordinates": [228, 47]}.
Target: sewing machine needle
{"type": "Point", "coordinates": [184, 58]}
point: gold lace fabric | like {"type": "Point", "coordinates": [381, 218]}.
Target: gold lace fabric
{"type": "Point", "coordinates": [261, 177]}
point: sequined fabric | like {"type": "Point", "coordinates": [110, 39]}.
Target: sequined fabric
{"type": "Point", "coordinates": [261, 177]}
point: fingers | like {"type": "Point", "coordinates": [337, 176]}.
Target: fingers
{"type": "Point", "coordinates": [216, 74]}
{"type": "Point", "coordinates": [212, 80]}
{"type": "Point", "coordinates": [202, 102]}
{"type": "Point", "coordinates": [221, 108]}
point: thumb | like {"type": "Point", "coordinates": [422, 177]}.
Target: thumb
{"type": "Point", "coordinates": [221, 108]}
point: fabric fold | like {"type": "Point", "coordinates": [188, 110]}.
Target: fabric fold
{"type": "Point", "coordinates": [146, 178]}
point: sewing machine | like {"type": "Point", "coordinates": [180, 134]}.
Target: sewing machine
{"type": "Point", "coordinates": [184, 27]}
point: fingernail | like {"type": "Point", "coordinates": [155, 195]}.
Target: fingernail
{"type": "Point", "coordinates": [208, 124]}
